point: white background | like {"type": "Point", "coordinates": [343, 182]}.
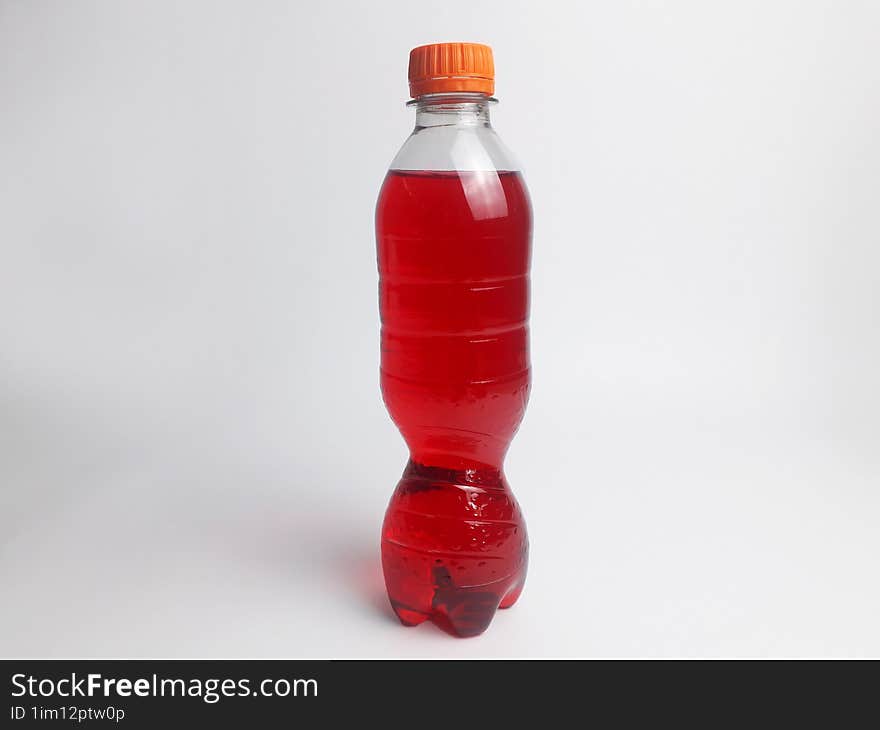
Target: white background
{"type": "Point", "coordinates": [194, 456]}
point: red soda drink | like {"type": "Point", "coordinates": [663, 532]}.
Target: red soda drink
{"type": "Point", "coordinates": [453, 227]}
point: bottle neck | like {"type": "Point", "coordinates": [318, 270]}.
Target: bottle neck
{"type": "Point", "coordinates": [453, 110]}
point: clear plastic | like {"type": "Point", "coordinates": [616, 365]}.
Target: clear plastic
{"type": "Point", "coordinates": [453, 228]}
{"type": "Point", "coordinates": [454, 132]}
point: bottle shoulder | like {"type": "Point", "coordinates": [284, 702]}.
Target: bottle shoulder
{"type": "Point", "coordinates": [455, 147]}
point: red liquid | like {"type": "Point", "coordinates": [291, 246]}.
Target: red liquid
{"type": "Point", "coordinates": [454, 250]}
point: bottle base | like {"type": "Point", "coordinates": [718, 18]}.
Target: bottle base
{"type": "Point", "coordinates": [454, 548]}
{"type": "Point", "coordinates": [461, 612]}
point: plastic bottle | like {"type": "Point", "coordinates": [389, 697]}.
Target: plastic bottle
{"type": "Point", "coordinates": [453, 228]}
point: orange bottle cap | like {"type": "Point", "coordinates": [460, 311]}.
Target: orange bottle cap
{"type": "Point", "coordinates": [445, 67]}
